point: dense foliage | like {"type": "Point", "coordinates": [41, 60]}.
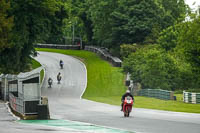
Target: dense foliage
{"type": "Point", "coordinates": [30, 25]}
{"type": "Point", "coordinates": [163, 50]}
{"type": "Point", "coordinates": [116, 22]}
{"type": "Point", "coordinates": [173, 63]}
{"type": "Point", "coordinates": [5, 25]}
{"type": "Point", "coordinates": [151, 67]}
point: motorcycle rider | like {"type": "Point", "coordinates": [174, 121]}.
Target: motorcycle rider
{"type": "Point", "coordinates": [59, 77]}
{"type": "Point", "coordinates": [50, 81]}
{"type": "Point", "coordinates": [61, 64]}
{"type": "Point", "coordinates": [125, 95]}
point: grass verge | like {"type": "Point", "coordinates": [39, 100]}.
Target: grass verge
{"type": "Point", "coordinates": [106, 85]}
{"type": "Point", "coordinates": [35, 65]}
{"type": "Point", "coordinates": [104, 80]}
{"type": "Point", "coordinates": [152, 103]}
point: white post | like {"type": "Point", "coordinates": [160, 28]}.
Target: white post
{"type": "Point", "coordinates": [23, 98]}
{"type": "Point", "coordinates": [193, 97]}
{"type": "Point", "coordinates": [39, 90]}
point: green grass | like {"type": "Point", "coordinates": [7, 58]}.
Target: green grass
{"type": "Point", "coordinates": [36, 64]}
{"type": "Point", "coordinates": [106, 85]}
{"type": "Point", "coordinates": [103, 79]}
{"type": "Point", "coordinates": [152, 103]}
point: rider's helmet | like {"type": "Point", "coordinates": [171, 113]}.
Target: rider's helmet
{"type": "Point", "coordinates": [127, 91]}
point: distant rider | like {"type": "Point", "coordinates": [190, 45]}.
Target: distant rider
{"type": "Point", "coordinates": [50, 81]}
{"type": "Point", "coordinates": [61, 64]}
{"type": "Point", "coordinates": [123, 98]}
{"type": "Point", "coordinates": [59, 77]}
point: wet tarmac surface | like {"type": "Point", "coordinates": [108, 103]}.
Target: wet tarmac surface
{"type": "Point", "coordinates": [65, 104]}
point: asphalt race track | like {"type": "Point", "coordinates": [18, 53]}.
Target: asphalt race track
{"type": "Point", "coordinates": [65, 103]}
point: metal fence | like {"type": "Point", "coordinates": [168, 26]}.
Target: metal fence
{"type": "Point", "coordinates": [189, 97]}
{"type": "Point", "coordinates": [157, 93]}
{"type": "Point", "coordinates": [103, 52]}
{"type": "Point", "coordinates": [5, 86]}
{"type": "Point", "coordinates": [16, 103]}
{"type": "Point", "coordinates": [22, 106]}
{"type": "Point", "coordinates": [58, 46]}
{"type": "Point", "coordinates": [22, 91]}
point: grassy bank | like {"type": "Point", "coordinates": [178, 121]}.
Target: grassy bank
{"type": "Point", "coordinates": [105, 84]}
{"type": "Point", "coordinates": [152, 103]}
{"type": "Point", "coordinates": [103, 79]}
{"type": "Point", "coordinates": [35, 65]}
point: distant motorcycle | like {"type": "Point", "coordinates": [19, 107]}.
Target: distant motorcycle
{"type": "Point", "coordinates": [59, 77]}
{"type": "Point", "coordinates": [61, 64]}
{"type": "Point", "coordinates": [50, 81]}
{"type": "Point", "coordinates": [127, 107]}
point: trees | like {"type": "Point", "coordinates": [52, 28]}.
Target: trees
{"type": "Point", "coordinates": [7, 47]}
{"type": "Point", "coordinates": [169, 37]}
{"type": "Point", "coordinates": [116, 22]}
{"type": "Point", "coordinates": [173, 63]}
{"type": "Point", "coordinates": [30, 25]}
{"type": "Point", "coordinates": [99, 13]}
{"type": "Point", "coordinates": [152, 67]}
{"type": "Point", "coordinates": [189, 41]}
{"type": "Point", "coordinates": [133, 21]}
{"type": "Point", "coordinates": [182, 41]}
{"type": "Point", "coordinates": [57, 23]}
{"type": "Point", "coordinates": [6, 24]}
{"type": "Point", "coordinates": [175, 11]}
{"type": "Point", "coordinates": [189, 47]}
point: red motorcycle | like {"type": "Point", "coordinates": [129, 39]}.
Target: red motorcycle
{"type": "Point", "coordinates": [127, 107]}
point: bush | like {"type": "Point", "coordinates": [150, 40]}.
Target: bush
{"type": "Point", "coordinates": [127, 49]}
{"type": "Point", "coordinates": [152, 67]}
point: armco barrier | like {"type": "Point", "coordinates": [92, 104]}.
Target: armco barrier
{"type": "Point", "coordinates": [58, 46]}
{"type": "Point", "coordinates": [189, 97]}
{"type": "Point", "coordinates": [157, 93]}
{"type": "Point", "coordinates": [101, 51]}
{"type": "Point", "coordinates": [104, 54]}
